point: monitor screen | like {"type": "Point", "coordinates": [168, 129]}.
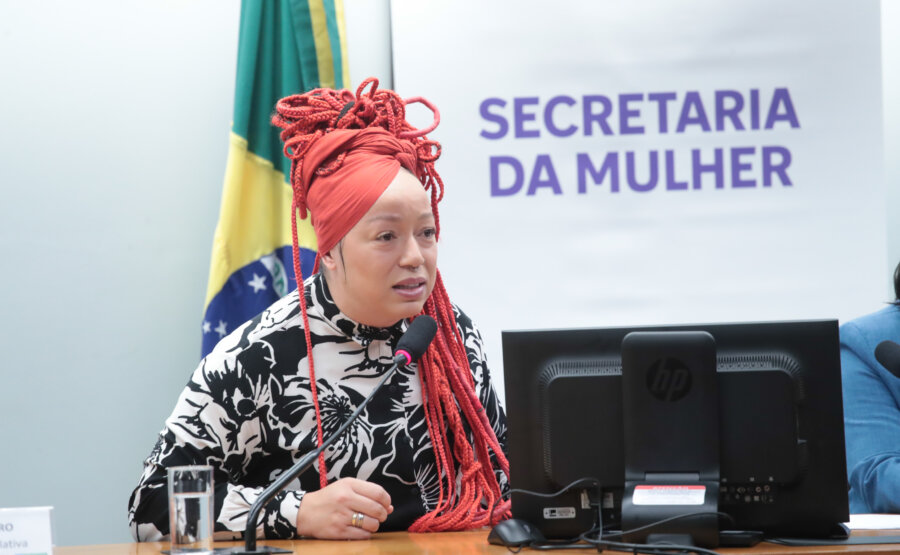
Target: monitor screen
{"type": "Point", "coordinates": [777, 399]}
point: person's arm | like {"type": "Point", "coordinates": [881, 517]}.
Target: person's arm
{"type": "Point", "coordinates": [210, 426]}
{"type": "Point", "coordinates": [872, 425]}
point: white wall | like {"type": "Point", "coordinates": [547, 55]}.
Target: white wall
{"type": "Point", "coordinates": [890, 63]}
{"type": "Point", "coordinates": [369, 41]}
{"type": "Point", "coordinates": [115, 119]}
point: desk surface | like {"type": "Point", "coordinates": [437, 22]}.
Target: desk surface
{"type": "Point", "coordinates": [474, 542]}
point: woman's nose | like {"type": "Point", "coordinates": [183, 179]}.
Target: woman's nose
{"type": "Point", "coordinates": [412, 254]}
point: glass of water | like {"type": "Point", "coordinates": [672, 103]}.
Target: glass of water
{"type": "Point", "coordinates": [191, 509]}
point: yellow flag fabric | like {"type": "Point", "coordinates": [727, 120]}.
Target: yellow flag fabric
{"type": "Point", "coordinates": [285, 47]}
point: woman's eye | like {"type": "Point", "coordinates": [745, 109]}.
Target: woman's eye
{"type": "Point", "coordinates": [429, 232]}
{"type": "Point", "coordinates": [385, 236]}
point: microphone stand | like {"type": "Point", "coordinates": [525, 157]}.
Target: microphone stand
{"type": "Point", "coordinates": [299, 467]}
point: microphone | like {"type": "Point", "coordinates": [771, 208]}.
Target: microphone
{"type": "Point", "coordinates": [410, 347]}
{"type": "Point", "coordinates": [416, 340]}
{"type": "Point", "coordinates": [887, 353]}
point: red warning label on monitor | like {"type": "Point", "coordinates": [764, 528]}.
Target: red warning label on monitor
{"type": "Point", "coordinates": [669, 495]}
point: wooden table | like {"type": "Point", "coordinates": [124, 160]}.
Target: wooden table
{"type": "Point", "coordinates": [451, 543]}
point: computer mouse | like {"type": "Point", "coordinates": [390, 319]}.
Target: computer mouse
{"type": "Point", "coordinates": [515, 533]}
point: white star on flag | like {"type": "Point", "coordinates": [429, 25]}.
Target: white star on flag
{"type": "Point", "coordinates": [220, 329]}
{"type": "Point", "coordinates": [258, 283]}
{"type": "Point", "coordinates": [206, 326]}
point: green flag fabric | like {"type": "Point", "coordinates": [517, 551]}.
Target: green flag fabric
{"type": "Point", "coordinates": [285, 47]}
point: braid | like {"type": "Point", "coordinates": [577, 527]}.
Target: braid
{"type": "Point", "coordinates": [448, 387]}
{"type": "Point", "coordinates": [298, 271]}
{"type": "Point", "coordinates": [452, 408]}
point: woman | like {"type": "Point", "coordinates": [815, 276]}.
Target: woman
{"type": "Point", "coordinates": [427, 453]}
{"type": "Point", "coordinates": [872, 410]}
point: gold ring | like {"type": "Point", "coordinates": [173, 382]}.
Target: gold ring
{"type": "Point", "coordinates": [357, 520]}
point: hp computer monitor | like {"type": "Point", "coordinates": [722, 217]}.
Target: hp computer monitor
{"type": "Point", "coordinates": [774, 416]}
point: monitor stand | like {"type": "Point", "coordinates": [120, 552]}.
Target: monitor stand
{"type": "Point", "coordinates": [670, 414]}
{"type": "Point", "coordinates": [685, 506]}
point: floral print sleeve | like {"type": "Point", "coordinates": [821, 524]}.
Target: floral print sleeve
{"type": "Point", "coordinates": [218, 421]}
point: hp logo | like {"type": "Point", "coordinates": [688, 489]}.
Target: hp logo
{"type": "Point", "coordinates": [669, 379]}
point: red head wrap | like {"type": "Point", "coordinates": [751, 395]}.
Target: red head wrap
{"type": "Point", "coordinates": [339, 198]}
{"type": "Point", "coordinates": [325, 130]}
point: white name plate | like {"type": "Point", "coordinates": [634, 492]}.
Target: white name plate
{"type": "Point", "coordinates": [26, 531]}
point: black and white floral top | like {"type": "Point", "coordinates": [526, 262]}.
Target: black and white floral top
{"type": "Point", "coordinates": [247, 411]}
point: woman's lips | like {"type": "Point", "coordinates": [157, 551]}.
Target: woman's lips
{"type": "Point", "coordinates": [411, 288]}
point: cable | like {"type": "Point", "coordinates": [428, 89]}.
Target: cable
{"type": "Point", "coordinates": [670, 519]}
{"type": "Point", "coordinates": [593, 481]}
{"type": "Point", "coordinates": [592, 543]}
{"type": "Point", "coordinates": [651, 548]}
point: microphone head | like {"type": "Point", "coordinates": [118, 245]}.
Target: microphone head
{"type": "Point", "coordinates": [887, 353]}
{"type": "Point", "coordinates": [417, 338]}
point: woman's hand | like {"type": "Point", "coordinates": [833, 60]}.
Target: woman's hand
{"type": "Point", "coordinates": [328, 513]}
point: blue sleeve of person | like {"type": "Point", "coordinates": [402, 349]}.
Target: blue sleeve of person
{"type": "Point", "coordinates": [871, 414]}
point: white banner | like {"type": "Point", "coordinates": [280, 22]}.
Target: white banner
{"type": "Point", "coordinates": [651, 162]}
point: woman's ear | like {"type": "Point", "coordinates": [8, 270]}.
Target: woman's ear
{"type": "Point", "coordinates": [328, 260]}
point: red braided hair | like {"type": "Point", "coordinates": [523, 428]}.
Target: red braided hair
{"type": "Point", "coordinates": [448, 387]}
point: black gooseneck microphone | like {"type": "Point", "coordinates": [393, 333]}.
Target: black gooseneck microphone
{"type": "Point", "coordinates": [410, 347]}
{"type": "Point", "coordinates": [887, 353]}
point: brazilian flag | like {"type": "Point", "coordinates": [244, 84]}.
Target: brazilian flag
{"type": "Point", "coordinates": [285, 47]}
